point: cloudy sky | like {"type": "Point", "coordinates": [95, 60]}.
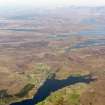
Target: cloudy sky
{"type": "Point", "coordinates": [52, 3]}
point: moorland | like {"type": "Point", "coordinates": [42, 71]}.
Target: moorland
{"type": "Point", "coordinates": [53, 57]}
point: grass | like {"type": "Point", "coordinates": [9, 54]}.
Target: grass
{"type": "Point", "coordinates": [67, 96]}
{"type": "Point", "coordinates": [74, 98]}
{"type": "Point", "coordinates": [25, 90]}
{"type": "Point", "coordinates": [5, 98]}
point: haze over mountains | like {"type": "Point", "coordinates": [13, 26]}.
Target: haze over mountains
{"type": "Point", "coordinates": [42, 47]}
{"type": "Point", "coordinates": [33, 11]}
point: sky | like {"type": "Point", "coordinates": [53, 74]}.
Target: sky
{"type": "Point", "coordinates": [52, 3]}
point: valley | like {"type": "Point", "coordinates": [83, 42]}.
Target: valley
{"type": "Point", "coordinates": [60, 52]}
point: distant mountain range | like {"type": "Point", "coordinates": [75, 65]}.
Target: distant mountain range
{"type": "Point", "coordinates": [29, 12]}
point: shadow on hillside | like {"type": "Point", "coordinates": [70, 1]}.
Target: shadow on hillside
{"type": "Point", "coordinates": [51, 85]}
